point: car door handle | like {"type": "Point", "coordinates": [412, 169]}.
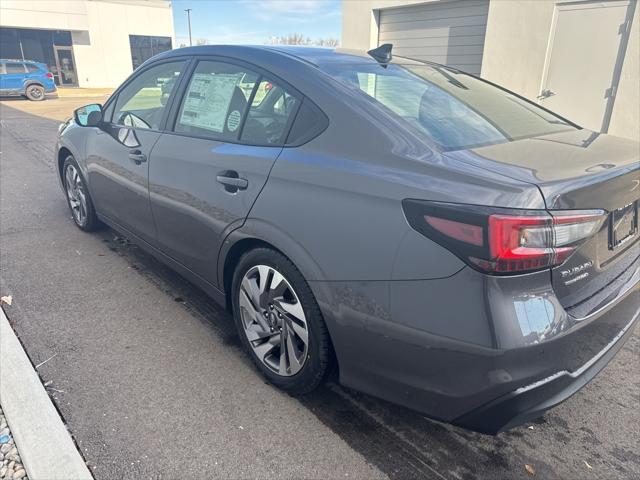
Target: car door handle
{"type": "Point", "coordinates": [241, 183]}
{"type": "Point", "coordinates": [137, 156]}
{"type": "Point", "coordinates": [232, 181]}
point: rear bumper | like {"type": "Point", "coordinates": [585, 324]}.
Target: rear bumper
{"type": "Point", "coordinates": [50, 89]}
{"type": "Point", "coordinates": [529, 402]}
{"type": "Point", "coordinates": [482, 352]}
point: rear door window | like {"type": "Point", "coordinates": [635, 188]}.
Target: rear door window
{"type": "Point", "coordinates": [269, 115]}
{"type": "Point", "coordinates": [215, 102]}
{"type": "Point", "coordinates": [11, 67]}
{"type": "Point", "coordinates": [228, 102]}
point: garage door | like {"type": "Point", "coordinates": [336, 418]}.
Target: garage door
{"type": "Point", "coordinates": [447, 32]}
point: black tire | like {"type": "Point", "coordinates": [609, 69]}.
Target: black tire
{"type": "Point", "coordinates": [320, 357]}
{"type": "Point", "coordinates": [35, 93]}
{"type": "Point", "coordinates": [88, 222]}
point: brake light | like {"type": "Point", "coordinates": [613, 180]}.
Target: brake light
{"type": "Point", "coordinates": [504, 241]}
{"type": "Point", "coordinates": [460, 231]}
{"type": "Point", "coordinates": [49, 75]}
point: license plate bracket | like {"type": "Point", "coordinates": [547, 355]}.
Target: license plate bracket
{"type": "Point", "coordinates": [623, 225]}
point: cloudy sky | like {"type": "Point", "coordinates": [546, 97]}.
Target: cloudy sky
{"type": "Point", "coordinates": [255, 21]}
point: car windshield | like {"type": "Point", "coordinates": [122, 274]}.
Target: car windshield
{"type": "Point", "coordinates": [455, 109]}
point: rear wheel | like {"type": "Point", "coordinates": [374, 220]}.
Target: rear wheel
{"type": "Point", "coordinates": [78, 198]}
{"type": "Point", "coordinates": [279, 321]}
{"type": "Point", "coordinates": [35, 93]}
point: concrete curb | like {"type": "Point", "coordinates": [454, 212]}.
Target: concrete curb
{"type": "Point", "coordinates": [45, 446]}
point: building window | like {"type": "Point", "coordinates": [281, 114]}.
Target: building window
{"type": "Point", "coordinates": [143, 47]}
{"type": "Point", "coordinates": [51, 47]}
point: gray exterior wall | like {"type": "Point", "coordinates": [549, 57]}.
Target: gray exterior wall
{"type": "Point", "coordinates": [444, 32]}
{"type": "Point", "coordinates": [515, 49]}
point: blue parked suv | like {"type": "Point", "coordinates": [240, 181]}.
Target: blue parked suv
{"type": "Point", "coordinates": [25, 78]}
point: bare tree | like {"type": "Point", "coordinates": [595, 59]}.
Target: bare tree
{"type": "Point", "coordinates": [327, 42]}
{"type": "Point", "coordinates": [291, 39]}
{"type": "Point", "coordinates": [300, 39]}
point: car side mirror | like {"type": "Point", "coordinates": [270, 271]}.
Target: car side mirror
{"type": "Point", "coordinates": [89, 115]}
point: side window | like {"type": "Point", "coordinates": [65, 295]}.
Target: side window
{"type": "Point", "coordinates": [215, 102]}
{"type": "Point", "coordinates": [309, 123]}
{"type": "Point", "coordinates": [14, 67]}
{"type": "Point", "coordinates": [142, 102]}
{"type": "Point", "coordinates": [269, 115]}
{"type": "Point", "coordinates": [32, 68]}
{"type": "Point", "coordinates": [107, 113]}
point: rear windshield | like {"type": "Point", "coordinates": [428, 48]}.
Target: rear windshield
{"type": "Point", "coordinates": [454, 109]}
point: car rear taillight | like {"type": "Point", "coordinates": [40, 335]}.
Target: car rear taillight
{"type": "Point", "coordinates": [504, 241]}
{"type": "Point", "coordinates": [49, 75]}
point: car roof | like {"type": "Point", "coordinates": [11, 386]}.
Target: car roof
{"type": "Point", "coordinates": [19, 60]}
{"type": "Point", "coordinates": [319, 55]}
{"type": "Point", "coordinates": [316, 56]}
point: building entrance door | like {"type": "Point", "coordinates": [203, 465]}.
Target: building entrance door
{"type": "Point", "coordinates": [66, 75]}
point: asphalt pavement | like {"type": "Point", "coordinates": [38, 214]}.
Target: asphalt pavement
{"type": "Point", "coordinates": [149, 375]}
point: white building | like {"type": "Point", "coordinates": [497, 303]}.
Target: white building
{"type": "Point", "coordinates": [86, 43]}
{"type": "Point", "coordinates": [578, 58]}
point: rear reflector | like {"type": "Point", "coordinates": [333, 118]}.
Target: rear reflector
{"type": "Point", "coordinates": [503, 241]}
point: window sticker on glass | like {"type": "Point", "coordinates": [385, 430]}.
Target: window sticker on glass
{"type": "Point", "coordinates": [208, 101]}
{"type": "Point", "coordinates": [233, 122]}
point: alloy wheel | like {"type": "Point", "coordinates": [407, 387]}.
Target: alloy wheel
{"type": "Point", "coordinates": [76, 194]}
{"type": "Point", "coordinates": [273, 320]}
{"type": "Point", "coordinates": [35, 93]}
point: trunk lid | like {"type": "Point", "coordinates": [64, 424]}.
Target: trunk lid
{"type": "Point", "coordinates": [580, 170]}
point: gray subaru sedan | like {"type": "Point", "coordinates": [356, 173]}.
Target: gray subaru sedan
{"type": "Point", "coordinates": [441, 242]}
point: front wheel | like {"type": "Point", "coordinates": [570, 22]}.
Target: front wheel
{"type": "Point", "coordinates": [279, 321]}
{"type": "Point", "coordinates": [35, 93]}
{"type": "Point", "coordinates": [78, 198]}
